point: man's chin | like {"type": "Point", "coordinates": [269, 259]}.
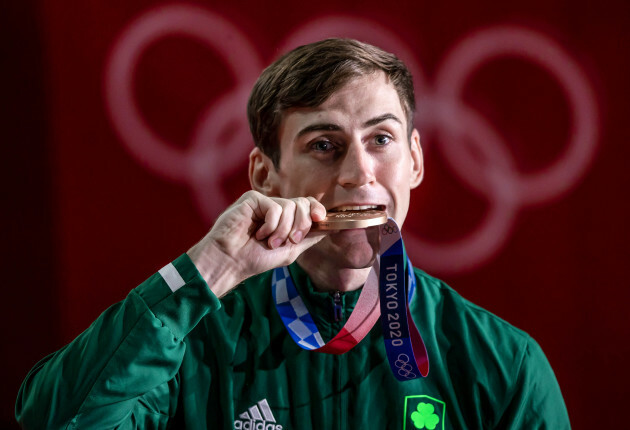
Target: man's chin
{"type": "Point", "coordinates": [356, 248]}
{"type": "Point", "coordinates": [340, 259]}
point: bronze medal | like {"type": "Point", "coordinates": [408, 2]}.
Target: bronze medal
{"type": "Point", "coordinates": [350, 219]}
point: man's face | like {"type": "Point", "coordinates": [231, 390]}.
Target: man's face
{"type": "Point", "coordinates": [351, 152]}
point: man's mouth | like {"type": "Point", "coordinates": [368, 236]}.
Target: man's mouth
{"type": "Point", "coordinates": [347, 208]}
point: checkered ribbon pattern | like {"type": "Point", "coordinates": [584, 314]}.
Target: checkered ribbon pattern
{"type": "Point", "coordinates": [293, 312]}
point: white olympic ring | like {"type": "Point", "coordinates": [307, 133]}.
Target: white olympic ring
{"type": "Point", "coordinates": [209, 163]}
{"type": "Point", "coordinates": [199, 166]}
{"type": "Point", "coordinates": [403, 366]}
{"type": "Point", "coordinates": [471, 53]}
{"type": "Point", "coordinates": [495, 178]}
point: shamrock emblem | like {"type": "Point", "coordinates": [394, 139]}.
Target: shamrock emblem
{"type": "Point", "coordinates": [424, 417]}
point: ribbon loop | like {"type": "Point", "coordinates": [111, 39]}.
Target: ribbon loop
{"type": "Point", "coordinates": [389, 279]}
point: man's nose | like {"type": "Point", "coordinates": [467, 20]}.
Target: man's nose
{"type": "Point", "coordinates": [357, 166]}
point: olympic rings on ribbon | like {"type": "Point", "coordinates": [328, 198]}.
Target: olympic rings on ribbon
{"type": "Point", "coordinates": [495, 177]}
{"type": "Point", "coordinates": [403, 366]}
{"type": "Point", "coordinates": [388, 229]}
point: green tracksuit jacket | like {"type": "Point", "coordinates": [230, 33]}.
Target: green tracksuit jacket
{"type": "Point", "coordinates": [184, 359]}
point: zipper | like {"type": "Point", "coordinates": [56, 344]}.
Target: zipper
{"type": "Point", "coordinates": [339, 370]}
{"type": "Point", "coordinates": [337, 308]}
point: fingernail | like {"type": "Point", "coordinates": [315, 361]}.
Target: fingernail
{"type": "Point", "coordinates": [297, 236]}
{"type": "Point", "coordinates": [276, 243]}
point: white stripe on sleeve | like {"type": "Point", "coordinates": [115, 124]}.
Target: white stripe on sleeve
{"type": "Point", "coordinates": [172, 277]}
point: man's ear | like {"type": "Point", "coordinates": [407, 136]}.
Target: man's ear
{"type": "Point", "coordinates": [263, 176]}
{"type": "Point", "coordinates": [417, 160]}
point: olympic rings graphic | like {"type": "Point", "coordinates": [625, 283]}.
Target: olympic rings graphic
{"type": "Point", "coordinates": [494, 176]}
{"type": "Point", "coordinates": [403, 366]}
{"type": "Point", "coordinates": [388, 229]}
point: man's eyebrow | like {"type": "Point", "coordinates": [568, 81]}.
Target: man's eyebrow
{"type": "Point", "coordinates": [381, 118]}
{"type": "Point", "coordinates": [319, 127]}
{"type": "Point", "coordinates": [328, 126]}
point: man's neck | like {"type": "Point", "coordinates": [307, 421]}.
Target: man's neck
{"type": "Point", "coordinates": [327, 276]}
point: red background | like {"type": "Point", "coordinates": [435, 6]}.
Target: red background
{"type": "Point", "coordinates": [85, 221]}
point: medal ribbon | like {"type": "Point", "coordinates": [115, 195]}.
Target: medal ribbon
{"type": "Point", "coordinates": [406, 352]}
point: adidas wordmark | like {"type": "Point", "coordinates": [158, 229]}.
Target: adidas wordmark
{"type": "Point", "coordinates": [258, 417]}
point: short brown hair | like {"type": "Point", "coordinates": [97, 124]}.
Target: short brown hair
{"type": "Point", "coordinates": [308, 75]}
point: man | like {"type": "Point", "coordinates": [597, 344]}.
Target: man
{"type": "Point", "coordinates": [200, 344]}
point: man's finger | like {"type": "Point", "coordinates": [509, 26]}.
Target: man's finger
{"type": "Point", "coordinates": [285, 223]}
{"type": "Point", "coordinates": [318, 211]}
{"type": "Point", "coordinates": [312, 238]}
{"type": "Point", "coordinates": [303, 221]}
{"type": "Point", "coordinates": [270, 211]}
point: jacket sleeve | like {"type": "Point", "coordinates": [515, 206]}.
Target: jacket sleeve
{"type": "Point", "coordinates": [537, 402]}
{"type": "Point", "coordinates": [122, 371]}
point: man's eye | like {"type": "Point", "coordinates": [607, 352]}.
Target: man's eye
{"type": "Point", "coordinates": [322, 146]}
{"type": "Point", "coordinates": [382, 139]}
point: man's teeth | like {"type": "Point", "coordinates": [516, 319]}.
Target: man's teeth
{"type": "Point", "coordinates": [354, 208]}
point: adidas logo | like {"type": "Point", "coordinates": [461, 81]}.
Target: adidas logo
{"type": "Point", "coordinates": [258, 417]}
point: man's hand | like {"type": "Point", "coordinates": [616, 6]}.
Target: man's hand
{"type": "Point", "coordinates": [256, 234]}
